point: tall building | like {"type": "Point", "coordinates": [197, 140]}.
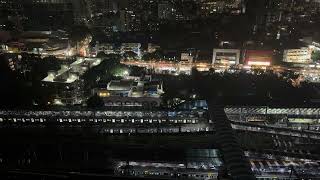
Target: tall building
{"type": "Point", "coordinates": [151, 9]}
{"type": "Point", "coordinates": [10, 7]}
{"type": "Point", "coordinates": [103, 14]}
{"type": "Point", "coordinates": [151, 15]}
{"type": "Point", "coordinates": [270, 16]}
{"type": "Point", "coordinates": [81, 11]}
{"type": "Point", "coordinates": [129, 21]}
{"type": "Point", "coordinates": [11, 10]}
{"type": "Point", "coordinates": [256, 14]}
{"type": "Point", "coordinates": [54, 14]}
{"type": "Point", "coordinates": [48, 14]}
{"type": "Point", "coordinates": [212, 7]}
{"type": "Point", "coordinates": [166, 10]}
{"type": "Point", "coordinates": [99, 7]}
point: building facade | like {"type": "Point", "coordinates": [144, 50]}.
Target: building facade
{"type": "Point", "coordinates": [258, 57]}
{"type": "Point", "coordinates": [302, 55]}
{"type": "Point", "coordinates": [226, 56]}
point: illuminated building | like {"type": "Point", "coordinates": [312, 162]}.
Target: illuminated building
{"type": "Point", "coordinates": [67, 81]}
{"type": "Point", "coordinates": [129, 21]}
{"type": "Point", "coordinates": [295, 116]}
{"type": "Point", "coordinates": [211, 7]}
{"type": "Point", "coordinates": [302, 55]}
{"type": "Point", "coordinates": [134, 47]}
{"type": "Point", "coordinates": [258, 57]}
{"type": "Point", "coordinates": [102, 14]}
{"type": "Point", "coordinates": [226, 56]}
{"type": "Point", "coordinates": [13, 47]}
{"type": "Point", "coordinates": [103, 93]}
{"type": "Point", "coordinates": [184, 66]}
{"type": "Point", "coordinates": [131, 92]}
{"type": "Point", "coordinates": [152, 47]}
{"type": "Point", "coordinates": [165, 10]}
{"type": "Point", "coordinates": [102, 6]}
{"type": "Point", "coordinates": [186, 58]}
{"type": "Point", "coordinates": [44, 43]}
{"type": "Point", "coordinates": [107, 48]}
{"type": "Point", "coordinates": [11, 6]}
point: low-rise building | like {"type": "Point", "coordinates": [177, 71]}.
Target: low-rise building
{"type": "Point", "coordinates": [186, 58]}
{"type": "Point", "coordinates": [107, 48]}
{"type": "Point", "coordinates": [302, 55]}
{"type": "Point", "coordinates": [131, 92]}
{"type": "Point", "coordinates": [134, 47]}
{"type": "Point", "coordinates": [67, 82]}
{"type": "Point", "coordinates": [258, 57]}
{"type": "Point", "coordinates": [12, 60]}
{"type": "Point", "coordinates": [44, 43]}
{"type": "Point", "coordinates": [153, 47]}
{"type": "Point", "coordinates": [226, 56]}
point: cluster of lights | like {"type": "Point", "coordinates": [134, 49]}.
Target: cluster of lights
{"type": "Point", "coordinates": [258, 63]}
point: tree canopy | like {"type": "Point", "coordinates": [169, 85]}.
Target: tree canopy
{"type": "Point", "coordinates": [315, 56]}
{"type": "Point", "coordinates": [78, 33]}
{"type": "Point", "coordinates": [130, 55]}
{"type": "Point", "coordinates": [157, 55]}
{"type": "Point", "coordinates": [95, 102]}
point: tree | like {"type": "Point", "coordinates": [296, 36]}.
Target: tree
{"type": "Point", "coordinates": [14, 92]}
{"type": "Point", "coordinates": [147, 57]}
{"type": "Point", "coordinates": [315, 56]}
{"type": "Point", "coordinates": [78, 33]}
{"type": "Point", "coordinates": [157, 55]}
{"type": "Point", "coordinates": [119, 71]}
{"type": "Point", "coordinates": [130, 55]}
{"type": "Point", "coordinates": [101, 55]}
{"type": "Point", "coordinates": [95, 102]}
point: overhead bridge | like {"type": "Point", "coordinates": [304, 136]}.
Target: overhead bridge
{"type": "Point", "coordinates": [233, 156]}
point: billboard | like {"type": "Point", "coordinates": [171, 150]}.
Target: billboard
{"type": "Point", "coordinates": [258, 57]}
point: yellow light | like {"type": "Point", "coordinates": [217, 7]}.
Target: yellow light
{"type": "Point", "coordinates": [104, 94]}
{"type": "Point", "coordinates": [258, 63]}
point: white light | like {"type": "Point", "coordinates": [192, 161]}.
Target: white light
{"type": "Point", "coordinates": [126, 73]}
{"type": "Point", "coordinates": [258, 63]}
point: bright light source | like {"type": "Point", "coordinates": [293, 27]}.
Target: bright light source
{"type": "Point", "coordinates": [104, 94]}
{"type": "Point", "coordinates": [126, 73]}
{"type": "Point", "coordinates": [258, 63]}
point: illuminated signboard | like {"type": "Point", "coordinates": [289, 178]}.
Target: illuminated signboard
{"type": "Point", "coordinates": [258, 58]}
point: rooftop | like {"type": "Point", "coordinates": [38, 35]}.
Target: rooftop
{"type": "Point", "coordinates": [122, 85]}
{"type": "Point", "coordinates": [70, 73]}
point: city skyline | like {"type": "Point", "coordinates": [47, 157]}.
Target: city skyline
{"type": "Point", "coordinates": [159, 89]}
